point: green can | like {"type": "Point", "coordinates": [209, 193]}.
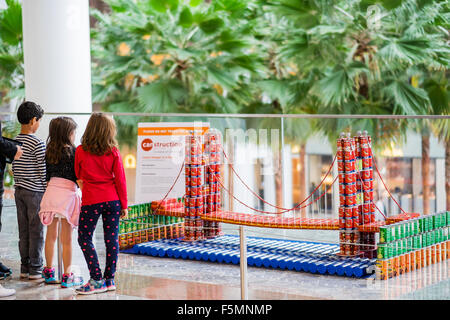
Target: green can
{"type": "Point", "coordinates": [411, 244]}
{"type": "Point", "coordinates": [416, 226]}
{"type": "Point", "coordinates": [128, 226]}
{"type": "Point", "coordinates": [382, 251]}
{"type": "Point", "coordinates": [415, 242]}
{"type": "Point", "coordinates": [397, 231]}
{"type": "Point", "coordinates": [407, 229]}
{"type": "Point", "coordinates": [390, 249]}
{"type": "Point", "coordinates": [424, 239]}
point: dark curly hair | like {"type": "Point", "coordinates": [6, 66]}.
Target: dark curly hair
{"type": "Point", "coordinates": [29, 110]}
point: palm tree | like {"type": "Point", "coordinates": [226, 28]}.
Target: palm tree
{"type": "Point", "coordinates": [11, 53]}
{"type": "Point", "coordinates": [363, 63]}
{"type": "Point", "coordinates": [175, 56]}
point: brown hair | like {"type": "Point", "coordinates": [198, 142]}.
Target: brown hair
{"type": "Point", "coordinates": [58, 141]}
{"type": "Point", "coordinates": [99, 137]}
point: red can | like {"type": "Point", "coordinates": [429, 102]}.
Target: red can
{"type": "Point", "coordinates": [348, 212]}
{"type": "Point", "coordinates": [340, 155]}
{"type": "Point", "coordinates": [342, 199]}
{"type": "Point", "coordinates": [196, 191]}
{"type": "Point", "coordinates": [342, 236]}
{"type": "Point", "coordinates": [350, 177]}
{"type": "Point", "coordinates": [341, 212]}
{"type": "Point", "coordinates": [341, 178]}
{"type": "Point", "coordinates": [372, 217]}
{"type": "Point", "coordinates": [366, 218]}
{"type": "Point", "coordinates": [350, 200]}
{"type": "Point", "coordinates": [196, 160]}
{"type": "Point", "coordinates": [214, 187]}
{"type": "Point", "coordinates": [366, 174]}
{"type": "Point", "coordinates": [350, 165]}
{"type": "Point", "coordinates": [199, 201]}
{"type": "Point", "coordinates": [214, 157]}
{"type": "Point", "coordinates": [368, 196]}
{"type": "Point", "coordinates": [196, 181]}
{"type": "Point", "coordinates": [350, 188]}
{"type": "Point", "coordinates": [340, 166]}
{"type": "Point", "coordinates": [366, 208]}
{"type": "Point", "coordinates": [342, 188]}
{"type": "Point", "coordinates": [342, 223]}
{"type": "Point", "coordinates": [367, 162]}
{"type": "Point", "coordinates": [349, 224]}
{"type": "Point", "coordinates": [212, 147]}
{"type": "Point", "coordinates": [355, 212]}
{"type": "Point", "coordinates": [196, 170]}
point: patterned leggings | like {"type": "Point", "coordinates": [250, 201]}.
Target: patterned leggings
{"type": "Point", "coordinates": [110, 212]}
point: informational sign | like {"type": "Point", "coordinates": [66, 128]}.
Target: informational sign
{"type": "Point", "coordinates": [160, 156]}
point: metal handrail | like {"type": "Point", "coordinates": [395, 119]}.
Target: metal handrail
{"type": "Point", "coordinates": [255, 115]}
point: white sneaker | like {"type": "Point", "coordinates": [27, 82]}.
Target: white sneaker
{"type": "Point", "coordinates": [6, 292]}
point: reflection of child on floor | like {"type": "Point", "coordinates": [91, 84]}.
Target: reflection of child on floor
{"type": "Point", "coordinates": [61, 198]}
{"type": "Point", "coordinates": [98, 165]}
{"type": "Point", "coordinates": [30, 184]}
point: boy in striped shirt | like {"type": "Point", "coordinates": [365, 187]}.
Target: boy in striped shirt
{"type": "Point", "coordinates": [30, 184]}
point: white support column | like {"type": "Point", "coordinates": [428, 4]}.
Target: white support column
{"type": "Point", "coordinates": [56, 42]}
{"type": "Point", "coordinates": [57, 61]}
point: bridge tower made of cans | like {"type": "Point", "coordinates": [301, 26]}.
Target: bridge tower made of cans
{"type": "Point", "coordinates": [356, 207]}
{"type": "Point", "coordinates": [202, 174]}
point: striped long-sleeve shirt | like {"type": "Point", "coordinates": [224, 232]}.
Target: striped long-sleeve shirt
{"type": "Point", "coordinates": [29, 171]}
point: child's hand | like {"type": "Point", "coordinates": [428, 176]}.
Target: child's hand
{"type": "Point", "coordinates": [124, 213]}
{"type": "Point", "coordinates": [19, 153]}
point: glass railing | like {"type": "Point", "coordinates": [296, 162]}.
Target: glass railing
{"type": "Point", "coordinates": [273, 163]}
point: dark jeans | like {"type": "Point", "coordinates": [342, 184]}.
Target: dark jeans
{"type": "Point", "coordinates": [31, 230]}
{"type": "Point", "coordinates": [89, 215]}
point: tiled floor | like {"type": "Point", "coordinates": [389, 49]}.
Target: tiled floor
{"type": "Point", "coordinates": [144, 277]}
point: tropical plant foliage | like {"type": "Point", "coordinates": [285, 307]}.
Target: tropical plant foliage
{"type": "Point", "coordinates": [11, 52]}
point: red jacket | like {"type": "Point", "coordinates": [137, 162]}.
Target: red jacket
{"type": "Point", "coordinates": [103, 177]}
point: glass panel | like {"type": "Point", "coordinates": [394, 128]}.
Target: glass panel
{"type": "Point", "coordinates": [273, 163]}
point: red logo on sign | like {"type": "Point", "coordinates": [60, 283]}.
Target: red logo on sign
{"type": "Point", "coordinates": [147, 144]}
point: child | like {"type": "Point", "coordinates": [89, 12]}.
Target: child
{"type": "Point", "coordinates": [11, 151]}
{"type": "Point", "coordinates": [29, 177]}
{"type": "Point", "coordinates": [60, 198]}
{"type": "Point", "coordinates": [99, 167]}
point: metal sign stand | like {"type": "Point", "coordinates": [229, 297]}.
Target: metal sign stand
{"type": "Point", "coordinates": [59, 245]}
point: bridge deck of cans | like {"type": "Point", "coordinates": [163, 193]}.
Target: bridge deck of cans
{"type": "Point", "coordinates": [413, 244]}
{"type": "Point", "coordinates": [281, 254]}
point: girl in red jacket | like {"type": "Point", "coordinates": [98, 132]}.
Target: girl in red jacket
{"type": "Point", "coordinates": [104, 194]}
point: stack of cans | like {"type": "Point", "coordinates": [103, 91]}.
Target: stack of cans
{"type": "Point", "coordinates": [348, 209]}
{"type": "Point", "coordinates": [195, 182]}
{"type": "Point", "coordinates": [367, 240]}
{"type": "Point", "coordinates": [213, 148]}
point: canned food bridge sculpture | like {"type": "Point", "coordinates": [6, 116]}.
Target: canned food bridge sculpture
{"type": "Point", "coordinates": [201, 207]}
